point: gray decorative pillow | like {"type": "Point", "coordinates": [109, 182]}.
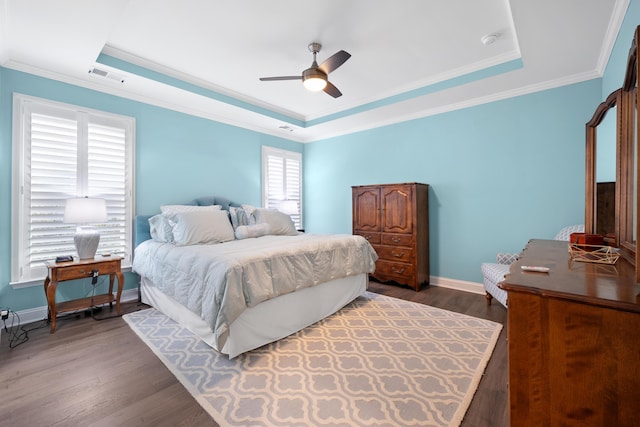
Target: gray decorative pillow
{"type": "Point", "coordinates": [281, 224]}
{"type": "Point", "coordinates": [202, 227]}
{"type": "Point", "coordinates": [250, 211]}
{"type": "Point", "coordinates": [171, 210]}
{"type": "Point", "coordinates": [238, 217]}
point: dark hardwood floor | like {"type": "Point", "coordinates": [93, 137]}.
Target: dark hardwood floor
{"type": "Point", "coordinates": [98, 373]}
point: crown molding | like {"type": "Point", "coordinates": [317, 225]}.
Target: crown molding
{"type": "Point", "coordinates": [420, 84]}
{"type": "Point", "coordinates": [259, 123]}
{"type": "Point", "coordinates": [613, 29]}
{"type": "Point", "coordinates": [161, 69]}
{"type": "Point", "coordinates": [498, 96]}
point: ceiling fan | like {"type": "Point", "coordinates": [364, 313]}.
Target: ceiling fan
{"type": "Point", "coordinates": [315, 78]}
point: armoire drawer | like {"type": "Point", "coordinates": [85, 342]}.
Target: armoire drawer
{"type": "Point", "coordinates": [398, 271]}
{"type": "Point", "coordinates": [397, 239]}
{"type": "Point", "coordinates": [394, 253]}
{"type": "Point", "coordinates": [371, 237]}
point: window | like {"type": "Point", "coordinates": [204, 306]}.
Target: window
{"type": "Point", "coordinates": [59, 152]}
{"type": "Point", "coordinates": [282, 182]}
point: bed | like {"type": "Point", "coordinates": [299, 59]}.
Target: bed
{"type": "Point", "coordinates": [239, 291]}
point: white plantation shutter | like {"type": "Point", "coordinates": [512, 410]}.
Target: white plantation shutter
{"type": "Point", "coordinates": [61, 152]}
{"type": "Point", "coordinates": [282, 182]}
{"type": "Point", "coordinates": [50, 176]}
{"type": "Point", "coordinates": [107, 179]}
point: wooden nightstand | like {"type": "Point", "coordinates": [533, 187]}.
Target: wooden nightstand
{"type": "Point", "coordinates": [59, 272]}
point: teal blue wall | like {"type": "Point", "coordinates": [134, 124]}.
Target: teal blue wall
{"type": "Point", "coordinates": [500, 174]}
{"type": "Point", "coordinates": [178, 157]}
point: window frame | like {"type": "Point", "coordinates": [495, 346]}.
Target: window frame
{"type": "Point", "coordinates": [22, 275]}
{"type": "Point", "coordinates": [285, 155]}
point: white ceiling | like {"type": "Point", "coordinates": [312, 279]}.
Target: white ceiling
{"type": "Point", "coordinates": [409, 59]}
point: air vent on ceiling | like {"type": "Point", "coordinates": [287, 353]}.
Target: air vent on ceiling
{"type": "Point", "coordinates": [286, 127]}
{"type": "Point", "coordinates": [107, 74]}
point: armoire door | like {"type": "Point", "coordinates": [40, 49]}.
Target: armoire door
{"type": "Point", "coordinates": [397, 209]}
{"type": "Point", "coordinates": [366, 209]}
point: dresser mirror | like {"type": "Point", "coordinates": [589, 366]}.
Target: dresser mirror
{"type": "Point", "coordinates": [602, 197]}
{"type": "Point", "coordinates": [628, 161]}
{"type": "Point", "coordinates": [616, 117]}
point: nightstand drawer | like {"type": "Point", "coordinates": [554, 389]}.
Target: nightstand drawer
{"type": "Point", "coordinates": [71, 273]}
{"type": "Point", "coordinates": [79, 271]}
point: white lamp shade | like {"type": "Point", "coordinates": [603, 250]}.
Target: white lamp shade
{"type": "Point", "coordinates": [288, 207]}
{"type": "Point", "coordinates": [84, 210]}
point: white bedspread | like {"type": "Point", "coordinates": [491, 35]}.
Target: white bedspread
{"type": "Point", "coordinates": [217, 282]}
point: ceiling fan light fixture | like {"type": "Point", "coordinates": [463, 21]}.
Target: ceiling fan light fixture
{"type": "Point", "coordinates": [315, 84]}
{"type": "Point", "coordinates": [316, 77]}
{"type": "Point", "coordinates": [314, 80]}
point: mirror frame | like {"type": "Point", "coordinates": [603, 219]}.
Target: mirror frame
{"type": "Point", "coordinates": [613, 100]}
{"type": "Point", "coordinates": [627, 204]}
{"type": "Point", "coordinates": [628, 163]}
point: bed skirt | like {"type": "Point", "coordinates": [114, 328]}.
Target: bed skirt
{"type": "Point", "coordinates": [268, 321]}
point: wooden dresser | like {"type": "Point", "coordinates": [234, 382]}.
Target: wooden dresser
{"type": "Point", "coordinates": [573, 340]}
{"type": "Point", "coordinates": [394, 218]}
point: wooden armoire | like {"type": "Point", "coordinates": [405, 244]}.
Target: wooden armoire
{"type": "Point", "coordinates": [394, 218]}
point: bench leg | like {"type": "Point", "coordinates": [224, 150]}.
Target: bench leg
{"type": "Point", "coordinates": [489, 298]}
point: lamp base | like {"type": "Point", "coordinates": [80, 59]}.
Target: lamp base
{"type": "Point", "coordinates": [86, 240]}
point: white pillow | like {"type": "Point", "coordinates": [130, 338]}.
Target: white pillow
{"type": "Point", "coordinates": [281, 224]}
{"type": "Point", "coordinates": [202, 227]}
{"type": "Point", "coordinates": [255, 230]}
{"type": "Point", "coordinates": [161, 229]}
{"type": "Point", "coordinates": [171, 210]}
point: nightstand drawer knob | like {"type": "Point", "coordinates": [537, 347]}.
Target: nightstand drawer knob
{"type": "Point", "coordinates": [398, 254]}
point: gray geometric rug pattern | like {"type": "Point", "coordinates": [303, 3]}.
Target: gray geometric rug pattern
{"type": "Point", "coordinates": [379, 361]}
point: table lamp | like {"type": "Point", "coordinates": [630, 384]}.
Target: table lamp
{"type": "Point", "coordinates": [82, 211]}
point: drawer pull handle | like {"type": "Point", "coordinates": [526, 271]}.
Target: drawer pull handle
{"type": "Point", "coordinates": [397, 271]}
{"type": "Point", "coordinates": [398, 254]}
{"type": "Point", "coordinates": [367, 237]}
{"type": "Point", "coordinates": [395, 239]}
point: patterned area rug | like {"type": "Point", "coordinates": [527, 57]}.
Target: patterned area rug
{"type": "Point", "coordinates": [379, 361]}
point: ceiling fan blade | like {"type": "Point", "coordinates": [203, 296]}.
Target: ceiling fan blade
{"type": "Point", "coordinates": [334, 61]}
{"type": "Point", "coordinates": [332, 90]}
{"type": "Point", "coordinates": [271, 79]}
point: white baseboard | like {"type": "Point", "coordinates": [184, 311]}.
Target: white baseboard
{"type": "Point", "coordinates": [460, 285]}
{"type": "Point", "coordinates": [39, 313]}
